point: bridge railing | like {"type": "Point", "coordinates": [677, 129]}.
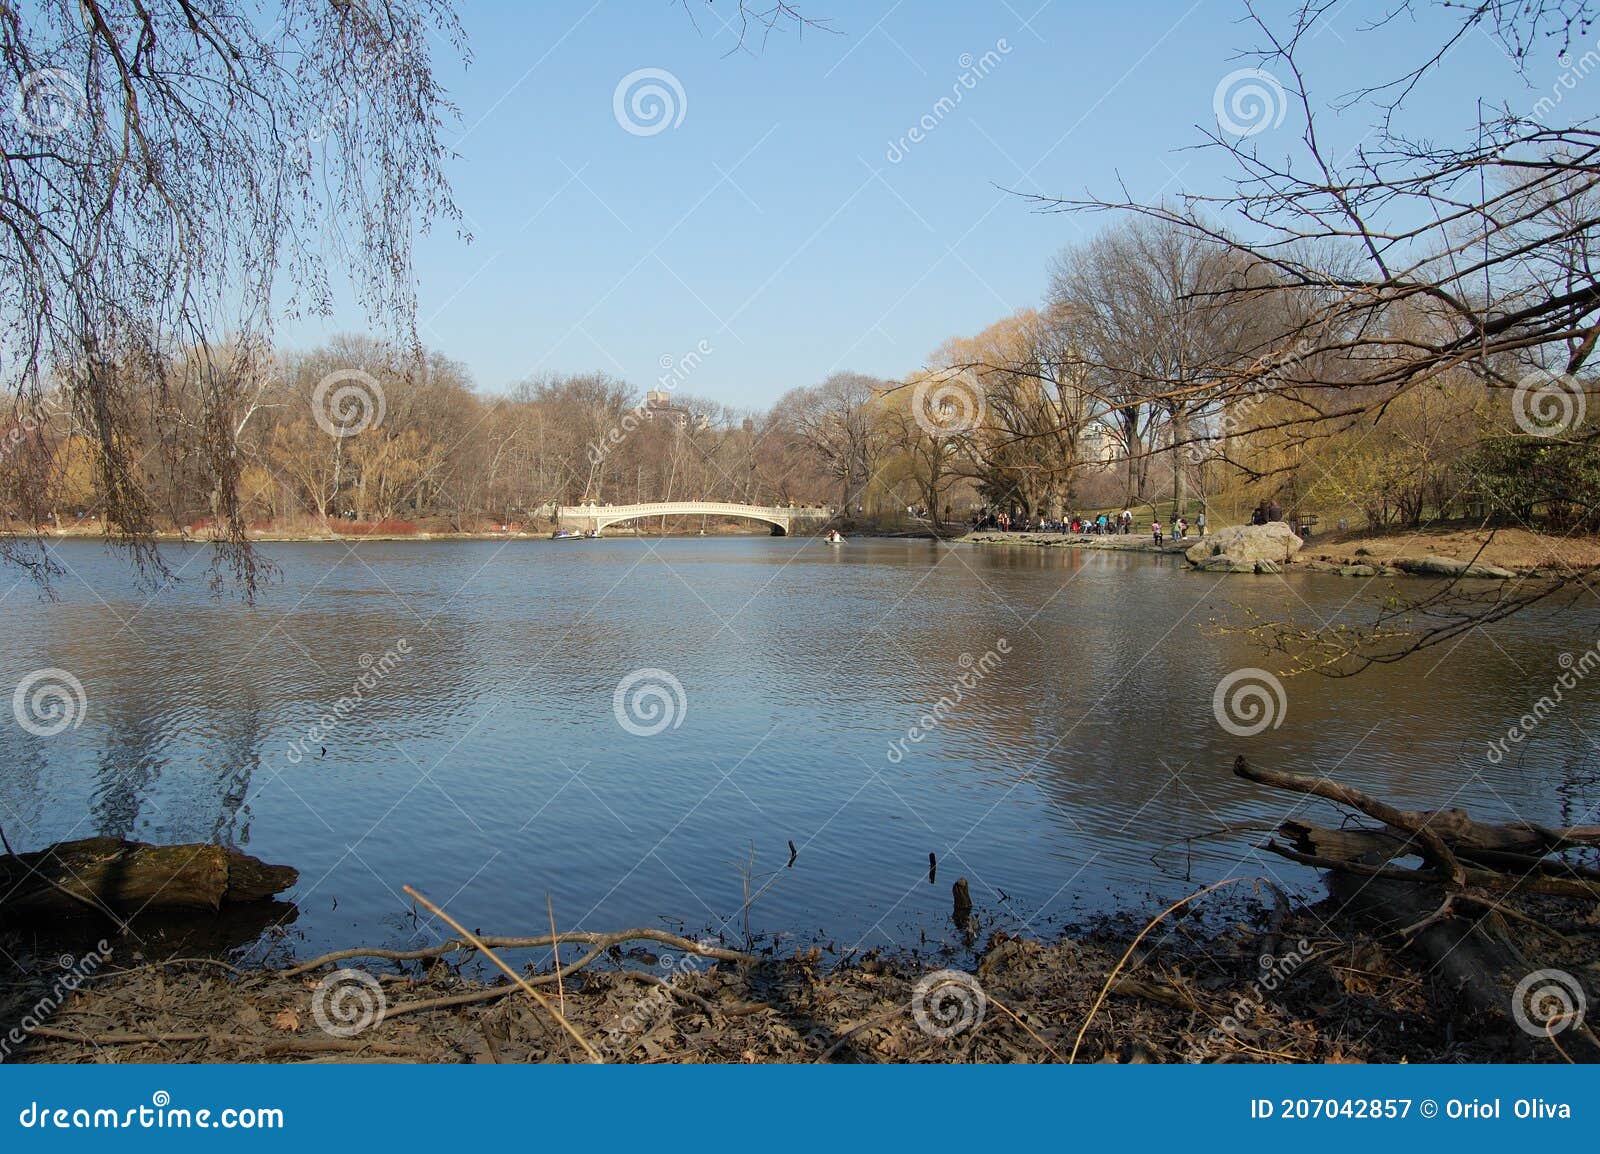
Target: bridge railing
{"type": "Point", "coordinates": [689, 508]}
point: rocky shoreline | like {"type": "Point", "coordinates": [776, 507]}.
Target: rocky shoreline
{"type": "Point", "coordinates": [1131, 543]}
{"type": "Point", "coordinates": [1273, 549]}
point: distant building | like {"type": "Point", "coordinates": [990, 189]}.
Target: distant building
{"type": "Point", "coordinates": [1100, 446]}
{"type": "Point", "coordinates": [658, 406]}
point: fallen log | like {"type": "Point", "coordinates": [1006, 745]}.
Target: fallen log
{"type": "Point", "coordinates": [1472, 956]}
{"type": "Point", "coordinates": [1444, 832]}
{"type": "Point", "coordinates": [122, 878]}
{"type": "Point", "coordinates": [1367, 846]}
{"type": "Point", "coordinates": [1474, 960]}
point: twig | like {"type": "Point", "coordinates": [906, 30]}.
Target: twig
{"type": "Point", "coordinates": [1128, 953]}
{"type": "Point", "coordinates": [310, 1044]}
{"type": "Point", "coordinates": [560, 1018]}
{"type": "Point", "coordinates": [601, 942]}
{"type": "Point", "coordinates": [875, 1020]}
{"type": "Point", "coordinates": [123, 1038]}
{"type": "Point", "coordinates": [167, 963]}
{"type": "Point", "coordinates": [561, 993]}
{"type": "Point", "coordinates": [1005, 1009]}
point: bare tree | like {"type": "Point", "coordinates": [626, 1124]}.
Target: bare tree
{"type": "Point", "coordinates": [1160, 317]}
{"type": "Point", "coordinates": [180, 174]}
{"type": "Point", "coordinates": [1408, 262]}
{"type": "Point", "coordinates": [175, 163]}
{"type": "Point", "coordinates": [841, 422]}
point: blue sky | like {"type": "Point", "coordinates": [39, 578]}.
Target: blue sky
{"type": "Point", "coordinates": [770, 223]}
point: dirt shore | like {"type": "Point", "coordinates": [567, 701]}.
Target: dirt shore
{"type": "Point", "coordinates": [1517, 549]}
{"type": "Point", "coordinates": [1226, 987]}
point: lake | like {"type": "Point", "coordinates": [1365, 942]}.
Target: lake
{"type": "Point", "coordinates": [777, 690]}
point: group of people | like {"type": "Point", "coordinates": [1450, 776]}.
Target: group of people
{"type": "Point", "coordinates": [1267, 511]}
{"type": "Point", "coordinates": [1112, 524]}
{"type": "Point", "coordinates": [1180, 528]}
{"type": "Point", "coordinates": [1121, 523]}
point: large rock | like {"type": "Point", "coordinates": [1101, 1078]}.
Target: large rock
{"type": "Point", "coordinates": [1222, 563]}
{"type": "Point", "coordinates": [1432, 566]}
{"type": "Point", "coordinates": [1245, 549]}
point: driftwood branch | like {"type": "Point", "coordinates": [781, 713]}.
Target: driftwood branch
{"type": "Point", "coordinates": [1431, 844]}
{"type": "Point", "coordinates": [600, 942]}
{"type": "Point", "coordinates": [1443, 837]}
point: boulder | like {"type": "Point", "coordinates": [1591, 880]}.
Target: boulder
{"type": "Point", "coordinates": [1222, 563]}
{"type": "Point", "coordinates": [1245, 546]}
{"type": "Point", "coordinates": [1432, 566]}
{"type": "Point", "coordinates": [1357, 571]}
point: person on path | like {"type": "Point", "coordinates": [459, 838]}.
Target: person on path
{"type": "Point", "coordinates": [1155, 531]}
{"type": "Point", "coordinates": [1200, 523]}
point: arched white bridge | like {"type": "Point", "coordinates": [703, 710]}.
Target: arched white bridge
{"type": "Point", "coordinates": [783, 517]}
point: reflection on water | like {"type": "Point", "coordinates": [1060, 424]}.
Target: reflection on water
{"type": "Point", "coordinates": [841, 699]}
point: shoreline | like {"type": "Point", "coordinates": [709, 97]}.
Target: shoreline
{"type": "Point", "coordinates": [1435, 554]}
{"type": "Point", "coordinates": [1220, 989]}
{"type": "Point", "coordinates": [1110, 542]}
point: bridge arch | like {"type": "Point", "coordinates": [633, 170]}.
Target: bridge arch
{"type": "Point", "coordinates": [783, 518]}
